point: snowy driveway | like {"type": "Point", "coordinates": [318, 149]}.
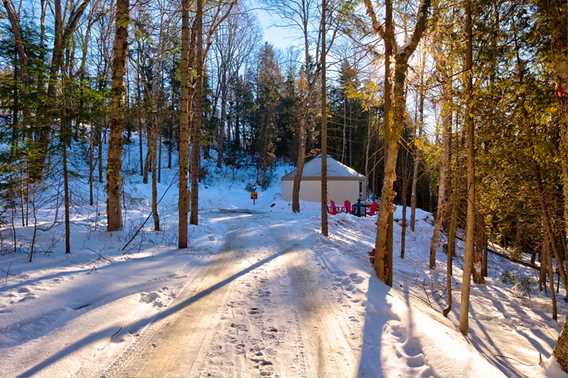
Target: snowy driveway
{"type": "Point", "coordinates": [258, 293]}
{"type": "Point", "coordinates": [261, 308]}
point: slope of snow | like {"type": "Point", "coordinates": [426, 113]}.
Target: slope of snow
{"type": "Point", "coordinates": [259, 292]}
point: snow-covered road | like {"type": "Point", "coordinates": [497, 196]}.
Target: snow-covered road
{"type": "Point", "coordinates": [258, 293]}
{"type": "Point", "coordinates": [262, 307]}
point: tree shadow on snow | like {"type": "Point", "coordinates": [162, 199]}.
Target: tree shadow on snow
{"type": "Point", "coordinates": [140, 324]}
{"type": "Point", "coordinates": [377, 314]}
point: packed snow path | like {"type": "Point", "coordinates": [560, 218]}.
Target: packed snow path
{"type": "Point", "coordinates": [260, 293]}
{"type": "Point", "coordinates": [261, 308]}
{"type": "Point", "coordinates": [280, 301]}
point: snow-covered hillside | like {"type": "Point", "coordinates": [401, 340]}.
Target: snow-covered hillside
{"type": "Point", "coordinates": [259, 293]}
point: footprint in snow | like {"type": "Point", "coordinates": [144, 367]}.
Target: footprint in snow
{"type": "Point", "coordinates": [28, 297]}
{"type": "Point", "coordinates": [356, 278]}
{"type": "Point", "coordinates": [152, 298]}
{"type": "Point", "coordinates": [240, 327]}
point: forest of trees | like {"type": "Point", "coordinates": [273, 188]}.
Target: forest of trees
{"type": "Point", "coordinates": [458, 108]}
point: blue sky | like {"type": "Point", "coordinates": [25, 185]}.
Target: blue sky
{"type": "Point", "coordinates": [279, 37]}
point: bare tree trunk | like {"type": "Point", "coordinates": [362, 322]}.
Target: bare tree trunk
{"type": "Point", "coordinates": [470, 220]}
{"type": "Point", "coordinates": [560, 350]}
{"type": "Point", "coordinates": [118, 110]}
{"type": "Point", "coordinates": [237, 124]}
{"type": "Point", "coordinates": [368, 144]}
{"type": "Point", "coordinates": [100, 151]}
{"type": "Point", "coordinates": [404, 196]}
{"type": "Point", "coordinates": [159, 158]}
{"type": "Point", "coordinates": [444, 167]}
{"type": "Point", "coordinates": [344, 140]}
{"type": "Point", "coordinates": [549, 229]}
{"type": "Point", "coordinates": [91, 163]}
{"type": "Point", "coordinates": [304, 122]}
{"type": "Point", "coordinates": [415, 152]}
{"type": "Point", "coordinates": [390, 149]}
{"type": "Point", "coordinates": [454, 187]}
{"type": "Point", "coordinates": [479, 251]}
{"type": "Point", "coordinates": [197, 113]}
{"type": "Point", "coordinates": [34, 234]}
{"type": "Point", "coordinates": [221, 129]}
{"type": "Point", "coordinates": [299, 165]}
{"type": "Point", "coordinates": [324, 225]}
{"type": "Point", "coordinates": [395, 108]}
{"type": "Point", "coordinates": [548, 263]}
{"type": "Point", "coordinates": [147, 162]}
{"type": "Point", "coordinates": [153, 153]}
{"type": "Point", "coordinates": [64, 131]}
{"type": "Point", "coordinates": [140, 143]}
{"type": "Point", "coordinates": [183, 126]}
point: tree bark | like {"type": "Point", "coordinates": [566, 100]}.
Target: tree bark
{"type": "Point", "coordinates": [324, 225]}
{"type": "Point", "coordinates": [547, 242]}
{"type": "Point", "coordinates": [561, 348]}
{"type": "Point", "coordinates": [99, 131]}
{"type": "Point", "coordinates": [479, 252]}
{"type": "Point", "coordinates": [91, 163]}
{"type": "Point", "coordinates": [183, 126]}
{"type": "Point", "coordinates": [197, 113]}
{"type": "Point", "coordinates": [221, 130]}
{"type": "Point", "coordinates": [415, 152]}
{"type": "Point", "coordinates": [454, 187]}
{"type": "Point", "coordinates": [299, 165]}
{"type": "Point", "coordinates": [390, 150]}
{"type": "Point", "coordinates": [556, 13]}
{"type": "Point", "coordinates": [154, 127]}
{"type": "Point", "coordinates": [395, 108]}
{"type": "Point", "coordinates": [66, 202]}
{"type": "Point", "coordinates": [404, 196]}
{"type": "Point", "coordinates": [118, 121]}
{"type": "Point", "coordinates": [469, 130]}
{"type": "Point", "coordinates": [444, 167]}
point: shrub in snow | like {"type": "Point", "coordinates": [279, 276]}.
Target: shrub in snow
{"type": "Point", "coordinates": [522, 284]}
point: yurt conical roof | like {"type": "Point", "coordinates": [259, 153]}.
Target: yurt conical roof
{"type": "Point", "coordinates": [335, 171]}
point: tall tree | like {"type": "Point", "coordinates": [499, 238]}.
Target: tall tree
{"type": "Point", "coordinates": [64, 28]}
{"type": "Point", "coordinates": [418, 126]}
{"type": "Point", "coordinates": [394, 120]}
{"type": "Point", "coordinates": [555, 13]}
{"type": "Point", "coordinates": [118, 121]}
{"type": "Point", "coordinates": [300, 14]}
{"type": "Point", "coordinates": [442, 208]}
{"type": "Point", "coordinates": [183, 203]}
{"type": "Point", "coordinates": [469, 130]}
{"type": "Point", "coordinates": [324, 225]}
{"type": "Point", "coordinates": [197, 116]}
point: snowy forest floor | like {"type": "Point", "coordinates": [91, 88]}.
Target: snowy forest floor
{"type": "Point", "coordinates": [259, 293]}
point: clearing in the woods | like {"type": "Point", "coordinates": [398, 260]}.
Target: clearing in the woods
{"type": "Point", "coordinates": [259, 293]}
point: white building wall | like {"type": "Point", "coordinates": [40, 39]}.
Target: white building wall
{"type": "Point", "coordinates": [337, 190]}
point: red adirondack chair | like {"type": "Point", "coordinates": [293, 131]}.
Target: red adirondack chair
{"type": "Point", "coordinates": [373, 208]}
{"type": "Point", "coordinates": [332, 208]}
{"type": "Point", "coordinates": [347, 206]}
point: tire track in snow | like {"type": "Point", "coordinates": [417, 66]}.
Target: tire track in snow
{"type": "Point", "coordinates": [156, 333]}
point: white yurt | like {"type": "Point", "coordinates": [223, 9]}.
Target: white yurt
{"type": "Point", "coordinates": [343, 182]}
